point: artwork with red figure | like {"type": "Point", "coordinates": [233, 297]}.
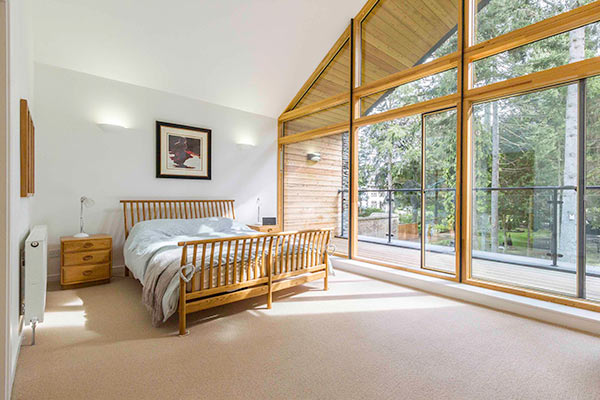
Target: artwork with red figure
{"type": "Point", "coordinates": [185, 152]}
{"type": "Point", "coordinates": [182, 151]}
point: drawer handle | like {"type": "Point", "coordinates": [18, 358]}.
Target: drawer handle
{"type": "Point", "coordinates": [87, 272]}
{"type": "Point", "coordinates": [87, 258]}
{"type": "Point", "coordinates": [88, 245]}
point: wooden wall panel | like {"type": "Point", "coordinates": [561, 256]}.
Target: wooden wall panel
{"type": "Point", "coordinates": [310, 190]}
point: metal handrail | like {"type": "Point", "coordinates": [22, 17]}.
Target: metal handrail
{"type": "Point", "coordinates": [553, 251]}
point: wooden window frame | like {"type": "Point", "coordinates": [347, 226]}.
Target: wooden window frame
{"type": "Point", "coordinates": [463, 100]}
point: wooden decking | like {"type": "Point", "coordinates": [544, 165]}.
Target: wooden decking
{"type": "Point", "coordinates": [554, 281]}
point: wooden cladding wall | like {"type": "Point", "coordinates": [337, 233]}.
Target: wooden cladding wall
{"type": "Point", "coordinates": [311, 190]}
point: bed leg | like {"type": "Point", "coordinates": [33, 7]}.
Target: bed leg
{"type": "Point", "coordinates": [182, 328]}
{"type": "Point", "coordinates": [182, 286]}
{"type": "Point", "coordinates": [126, 271]}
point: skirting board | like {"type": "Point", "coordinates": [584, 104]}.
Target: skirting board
{"type": "Point", "coordinates": [117, 270]}
{"type": "Point", "coordinates": [558, 314]}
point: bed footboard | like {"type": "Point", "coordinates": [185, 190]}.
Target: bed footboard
{"type": "Point", "coordinates": [222, 271]}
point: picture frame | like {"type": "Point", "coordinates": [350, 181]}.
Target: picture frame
{"type": "Point", "coordinates": [183, 152]}
{"type": "Point", "coordinates": [27, 138]}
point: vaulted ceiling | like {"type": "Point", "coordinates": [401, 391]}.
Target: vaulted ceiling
{"type": "Point", "coordinates": [253, 55]}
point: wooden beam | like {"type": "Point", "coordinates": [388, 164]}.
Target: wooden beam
{"type": "Point", "coordinates": [315, 107]}
{"type": "Point", "coordinates": [315, 133]}
{"type": "Point", "coordinates": [320, 68]}
{"type": "Point", "coordinates": [538, 80]}
{"type": "Point", "coordinates": [364, 11]}
{"type": "Point", "coordinates": [355, 68]}
{"type": "Point", "coordinates": [549, 27]}
{"type": "Point", "coordinates": [280, 161]}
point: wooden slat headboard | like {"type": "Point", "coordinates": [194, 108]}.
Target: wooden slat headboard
{"type": "Point", "coordinates": [135, 211]}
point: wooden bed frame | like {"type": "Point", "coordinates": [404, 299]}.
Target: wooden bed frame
{"type": "Point", "coordinates": [268, 262]}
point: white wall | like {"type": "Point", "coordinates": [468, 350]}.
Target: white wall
{"type": "Point", "coordinates": [75, 157]}
{"type": "Point", "coordinates": [20, 86]}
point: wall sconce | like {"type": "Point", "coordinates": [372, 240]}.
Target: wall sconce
{"type": "Point", "coordinates": [244, 146]}
{"type": "Point", "coordinates": [111, 127]}
{"type": "Point", "coordinates": [313, 157]}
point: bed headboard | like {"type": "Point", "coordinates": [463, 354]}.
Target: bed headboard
{"type": "Point", "coordinates": [135, 211]}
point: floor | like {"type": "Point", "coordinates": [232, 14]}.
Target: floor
{"type": "Point", "coordinates": [554, 281]}
{"type": "Point", "coordinates": [362, 339]}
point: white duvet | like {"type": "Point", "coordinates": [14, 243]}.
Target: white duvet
{"type": "Point", "coordinates": [153, 244]}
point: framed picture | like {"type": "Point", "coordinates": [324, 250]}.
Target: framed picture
{"type": "Point", "coordinates": [27, 151]}
{"type": "Point", "coordinates": [182, 152]}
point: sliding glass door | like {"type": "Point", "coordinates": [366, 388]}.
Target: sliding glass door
{"type": "Point", "coordinates": [439, 191]}
{"type": "Point", "coordinates": [389, 192]}
{"type": "Point", "coordinates": [407, 192]}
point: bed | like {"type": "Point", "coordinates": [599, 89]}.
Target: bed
{"type": "Point", "coordinates": [192, 255]}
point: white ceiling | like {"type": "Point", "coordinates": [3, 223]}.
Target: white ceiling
{"type": "Point", "coordinates": [252, 55]}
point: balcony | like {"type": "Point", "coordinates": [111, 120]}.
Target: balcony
{"type": "Point", "coordinates": [528, 253]}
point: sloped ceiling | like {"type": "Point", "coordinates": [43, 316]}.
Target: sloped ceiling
{"type": "Point", "coordinates": [253, 55]}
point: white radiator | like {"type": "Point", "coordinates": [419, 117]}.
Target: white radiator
{"type": "Point", "coordinates": [36, 270]}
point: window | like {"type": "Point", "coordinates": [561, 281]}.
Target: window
{"type": "Point", "coordinates": [390, 169]}
{"type": "Point", "coordinates": [497, 17]}
{"type": "Point", "coordinates": [439, 213]}
{"type": "Point", "coordinates": [566, 48]}
{"type": "Point", "coordinates": [524, 213]}
{"type": "Point", "coordinates": [410, 163]}
{"type": "Point", "coordinates": [424, 89]}
{"type": "Point", "coordinates": [592, 194]}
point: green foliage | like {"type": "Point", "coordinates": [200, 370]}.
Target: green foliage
{"type": "Point", "coordinates": [365, 212]}
{"type": "Point", "coordinates": [530, 128]}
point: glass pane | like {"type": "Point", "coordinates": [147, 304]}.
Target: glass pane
{"type": "Point", "coordinates": [424, 89]}
{"type": "Point", "coordinates": [440, 191]}
{"type": "Point", "coordinates": [389, 220]}
{"type": "Point", "coordinates": [497, 17]}
{"type": "Point", "coordinates": [592, 197]}
{"type": "Point", "coordinates": [334, 79]}
{"type": "Point", "coordinates": [399, 34]}
{"type": "Point", "coordinates": [592, 245]}
{"type": "Point", "coordinates": [316, 193]}
{"type": "Point", "coordinates": [563, 49]}
{"type": "Point", "coordinates": [321, 119]}
{"type": "Point", "coordinates": [524, 198]}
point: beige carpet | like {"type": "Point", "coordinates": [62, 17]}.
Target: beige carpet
{"type": "Point", "coordinates": [363, 339]}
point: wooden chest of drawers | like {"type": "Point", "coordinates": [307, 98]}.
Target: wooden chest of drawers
{"type": "Point", "coordinates": [85, 260]}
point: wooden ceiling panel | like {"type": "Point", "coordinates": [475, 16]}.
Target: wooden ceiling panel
{"type": "Point", "coordinates": [316, 120]}
{"type": "Point", "coordinates": [399, 34]}
{"type": "Point", "coordinates": [334, 79]}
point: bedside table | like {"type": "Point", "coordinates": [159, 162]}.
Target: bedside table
{"type": "Point", "coordinates": [266, 228]}
{"type": "Point", "coordinates": [85, 260]}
